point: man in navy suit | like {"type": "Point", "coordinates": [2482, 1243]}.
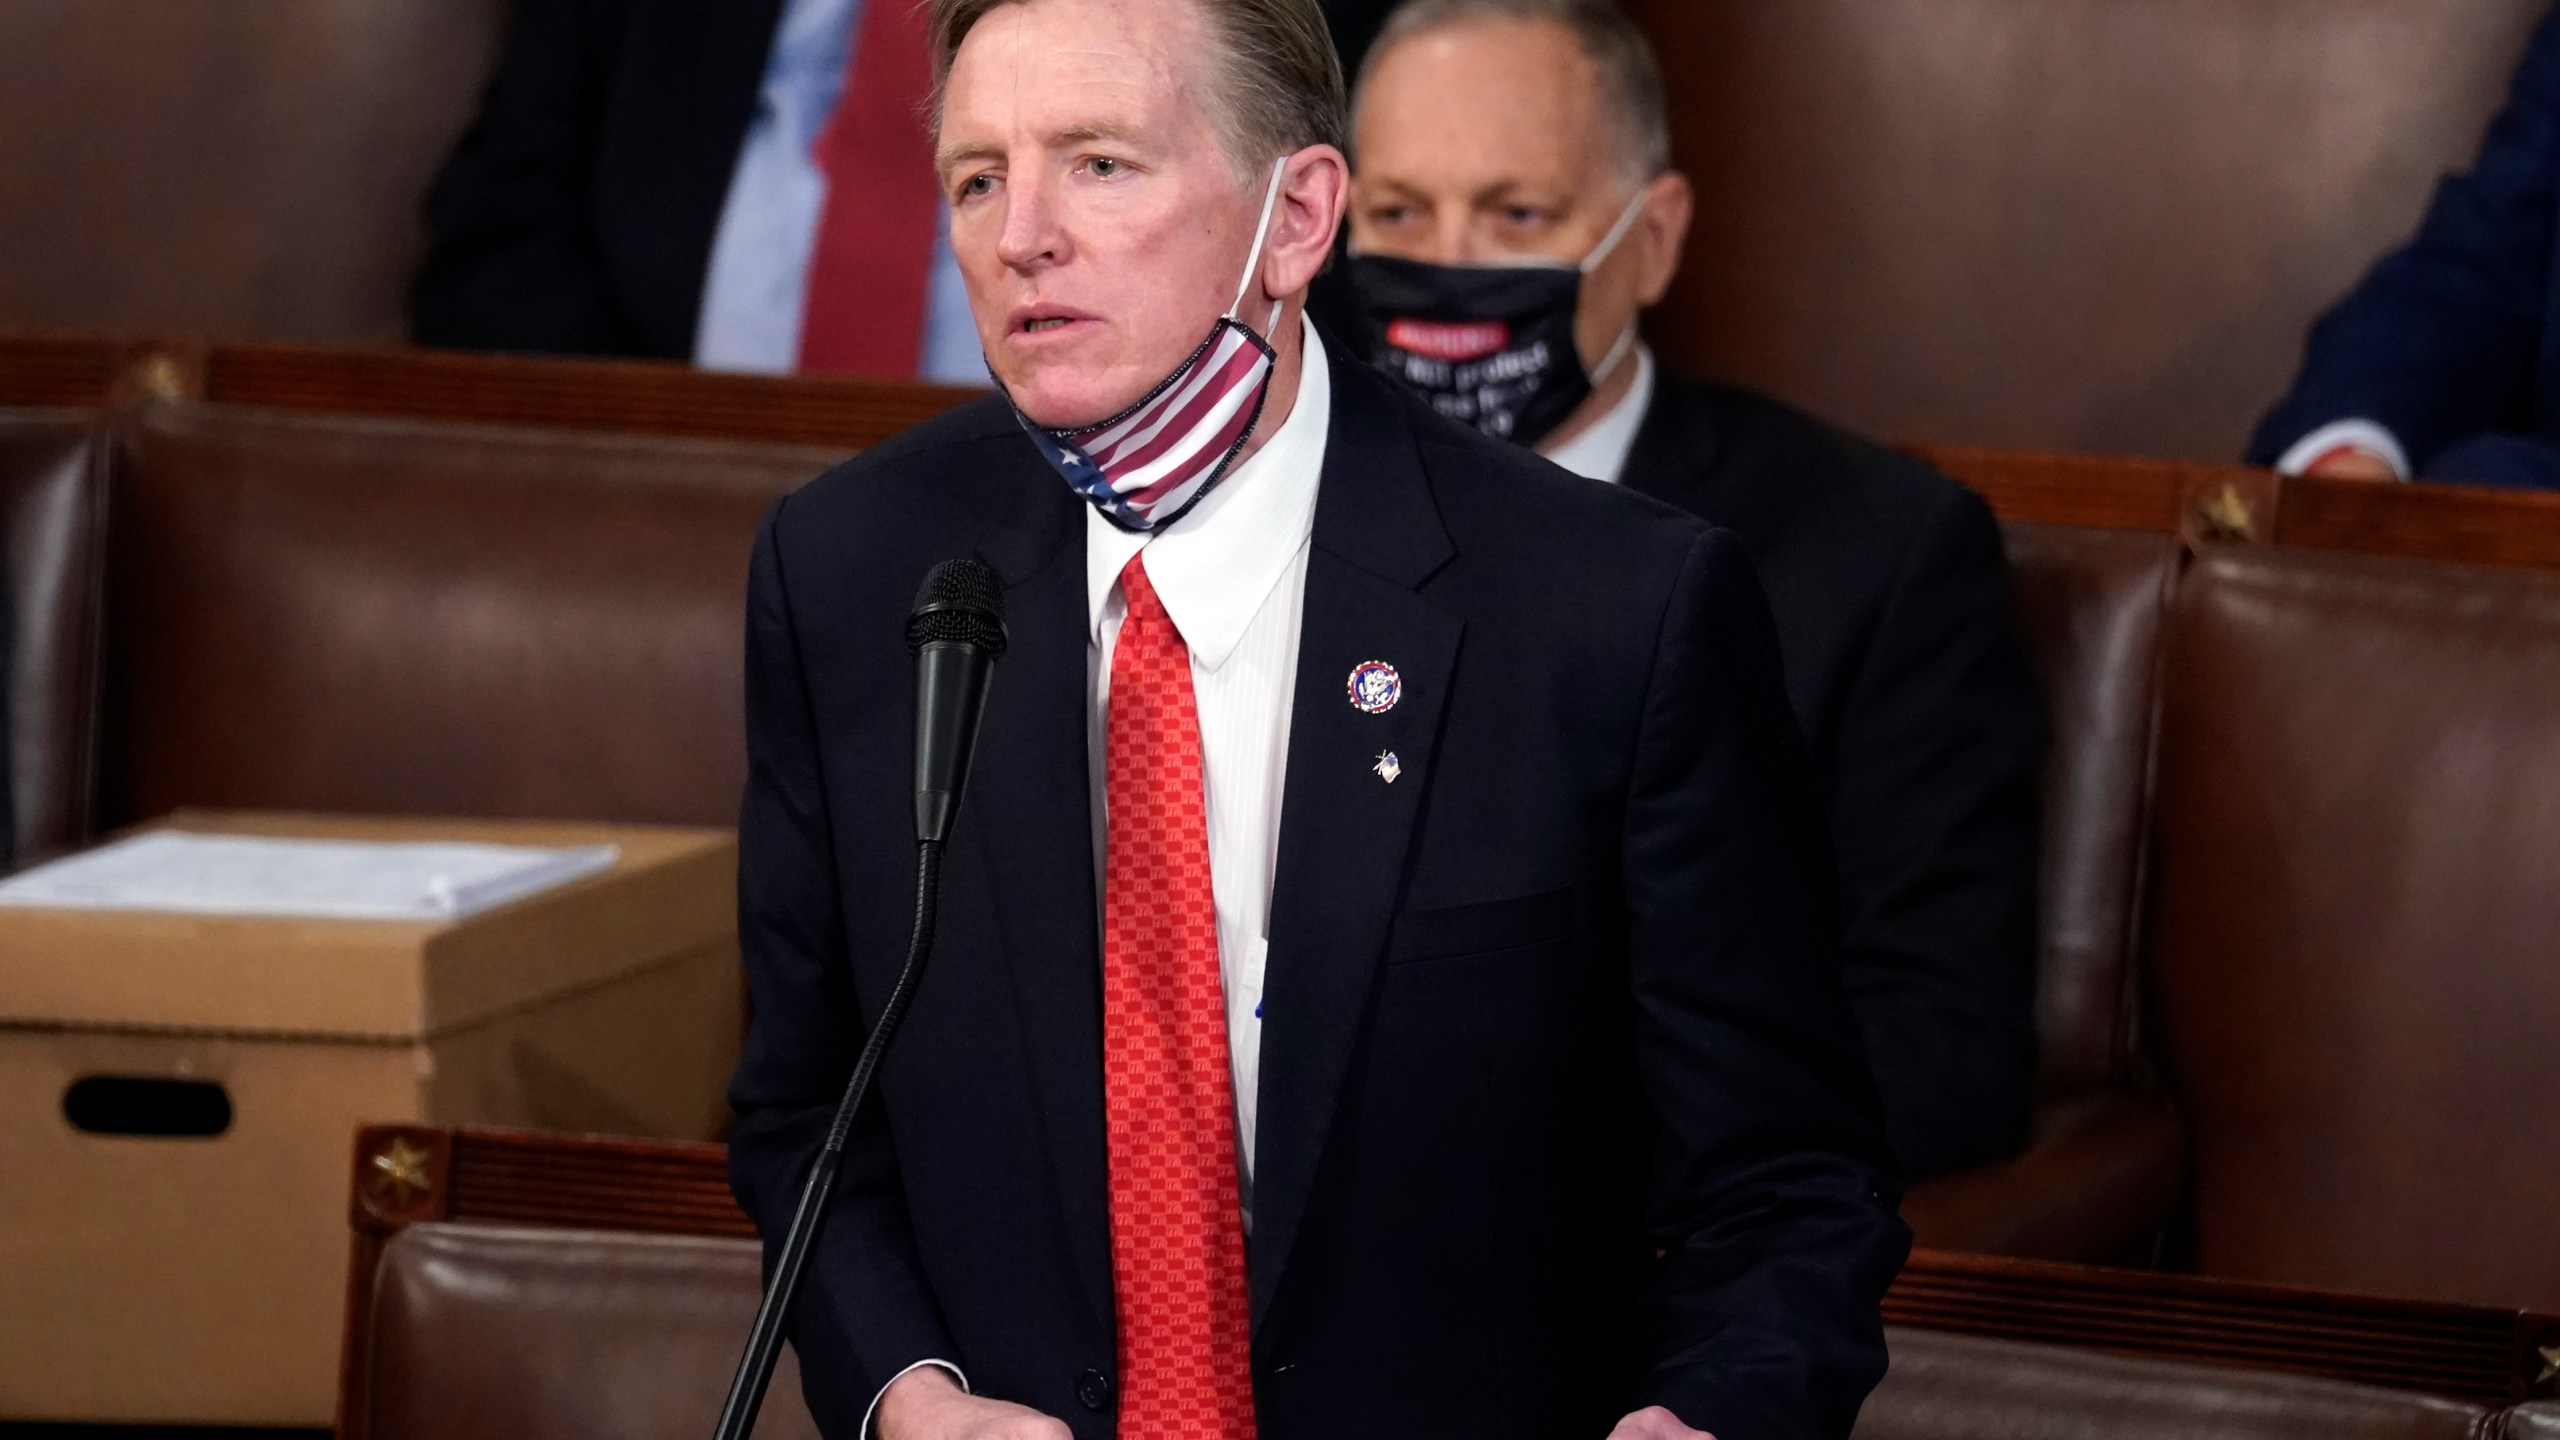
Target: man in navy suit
{"type": "Point", "coordinates": [2441, 364]}
{"type": "Point", "coordinates": [1499, 138]}
{"type": "Point", "coordinates": [1388, 981]}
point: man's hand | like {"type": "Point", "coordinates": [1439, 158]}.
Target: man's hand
{"type": "Point", "coordinates": [926, 1404]}
{"type": "Point", "coordinates": [1655, 1423]}
{"type": "Point", "coordinates": [2352, 462]}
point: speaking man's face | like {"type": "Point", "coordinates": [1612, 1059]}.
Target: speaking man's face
{"type": "Point", "coordinates": [1098, 224]}
{"type": "Point", "coordinates": [1487, 141]}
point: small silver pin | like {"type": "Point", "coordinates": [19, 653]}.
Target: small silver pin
{"type": "Point", "coordinates": [1388, 766]}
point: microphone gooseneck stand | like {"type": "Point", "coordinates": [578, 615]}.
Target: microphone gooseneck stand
{"type": "Point", "coordinates": [764, 1338]}
{"type": "Point", "coordinates": [956, 632]}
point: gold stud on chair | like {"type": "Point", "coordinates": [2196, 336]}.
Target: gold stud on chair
{"type": "Point", "coordinates": [2224, 514]}
{"type": "Point", "coordinates": [400, 1173]}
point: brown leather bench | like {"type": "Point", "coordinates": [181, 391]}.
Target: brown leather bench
{"type": "Point", "coordinates": [2105, 1164]}
{"type": "Point", "coordinates": [523, 1284]}
{"type": "Point", "coordinates": [480, 1330]}
{"type": "Point", "coordinates": [354, 615]}
{"type": "Point", "coordinates": [2358, 896]}
{"type": "Point", "coordinates": [51, 534]}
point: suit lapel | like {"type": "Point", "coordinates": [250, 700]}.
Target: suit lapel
{"type": "Point", "coordinates": [1345, 830]}
{"type": "Point", "coordinates": [1034, 818]}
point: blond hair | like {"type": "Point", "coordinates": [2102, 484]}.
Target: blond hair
{"type": "Point", "coordinates": [1281, 84]}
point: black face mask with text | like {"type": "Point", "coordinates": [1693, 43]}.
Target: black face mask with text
{"type": "Point", "coordinates": [1487, 345]}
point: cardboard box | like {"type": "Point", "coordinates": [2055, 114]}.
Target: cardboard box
{"type": "Point", "coordinates": [200, 1278]}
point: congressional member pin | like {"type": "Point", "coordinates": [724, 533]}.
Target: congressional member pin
{"type": "Point", "coordinates": [1375, 687]}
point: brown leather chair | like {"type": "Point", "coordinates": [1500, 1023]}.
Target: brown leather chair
{"type": "Point", "coordinates": [2106, 1160]}
{"type": "Point", "coordinates": [481, 1330]}
{"type": "Point", "coordinates": [499, 1274]}
{"type": "Point", "coordinates": [2531, 1422]}
{"type": "Point", "coordinates": [2358, 894]}
{"type": "Point", "coordinates": [1958, 1387]}
{"type": "Point", "coordinates": [353, 615]}
{"type": "Point", "coordinates": [227, 167]}
{"type": "Point", "coordinates": [52, 523]}
{"type": "Point", "coordinates": [486, 1330]}
{"type": "Point", "coordinates": [2073, 224]}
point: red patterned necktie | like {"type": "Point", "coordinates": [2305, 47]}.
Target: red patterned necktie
{"type": "Point", "coordinates": [1177, 1233]}
{"type": "Point", "coordinates": [864, 313]}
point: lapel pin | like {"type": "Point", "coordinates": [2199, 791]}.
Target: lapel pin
{"type": "Point", "coordinates": [1375, 687]}
{"type": "Point", "coordinates": [1388, 766]}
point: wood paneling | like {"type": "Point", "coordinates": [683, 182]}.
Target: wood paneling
{"type": "Point", "coordinates": [2081, 225]}
{"type": "Point", "coordinates": [237, 168]}
{"type": "Point", "coordinates": [637, 396]}
{"type": "Point", "coordinates": [2512, 529]}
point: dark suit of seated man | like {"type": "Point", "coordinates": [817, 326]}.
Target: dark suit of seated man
{"type": "Point", "coordinates": [1386, 983]}
{"type": "Point", "coordinates": [2439, 365]}
{"type": "Point", "coordinates": [651, 178]}
{"type": "Point", "coordinates": [1514, 210]}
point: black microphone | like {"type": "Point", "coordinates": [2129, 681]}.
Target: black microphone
{"type": "Point", "coordinates": [955, 633]}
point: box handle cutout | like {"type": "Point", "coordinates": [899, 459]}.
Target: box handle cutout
{"type": "Point", "coordinates": [138, 1105]}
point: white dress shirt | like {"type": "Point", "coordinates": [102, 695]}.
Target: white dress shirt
{"type": "Point", "coordinates": [757, 285]}
{"type": "Point", "coordinates": [1600, 453]}
{"type": "Point", "coordinates": [1233, 578]}
{"type": "Point", "coordinates": [2370, 436]}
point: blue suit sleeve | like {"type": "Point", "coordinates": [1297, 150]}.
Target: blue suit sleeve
{"type": "Point", "coordinates": [865, 1311]}
{"type": "Point", "coordinates": [2439, 341]}
{"type": "Point", "coordinates": [1773, 1193]}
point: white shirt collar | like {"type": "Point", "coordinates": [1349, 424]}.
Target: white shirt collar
{"type": "Point", "coordinates": [1215, 566]}
{"type": "Point", "coordinates": [1600, 453]}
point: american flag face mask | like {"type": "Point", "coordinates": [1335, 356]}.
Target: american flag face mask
{"type": "Point", "coordinates": [1145, 467]}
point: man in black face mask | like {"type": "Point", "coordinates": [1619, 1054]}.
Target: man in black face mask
{"type": "Point", "coordinates": [1513, 212]}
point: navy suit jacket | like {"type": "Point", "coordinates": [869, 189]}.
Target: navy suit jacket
{"type": "Point", "coordinates": [1926, 731]}
{"type": "Point", "coordinates": [2451, 341]}
{"type": "Point", "coordinates": [1561, 1108]}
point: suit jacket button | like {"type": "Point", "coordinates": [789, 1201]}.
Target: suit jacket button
{"type": "Point", "coordinates": [1093, 1388]}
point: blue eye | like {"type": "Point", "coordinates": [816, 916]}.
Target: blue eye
{"type": "Point", "coordinates": [1103, 167]}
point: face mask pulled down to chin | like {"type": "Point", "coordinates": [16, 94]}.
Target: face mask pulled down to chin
{"type": "Point", "coordinates": [1487, 345]}
{"type": "Point", "coordinates": [1148, 466]}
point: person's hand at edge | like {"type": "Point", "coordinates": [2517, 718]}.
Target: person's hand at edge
{"type": "Point", "coordinates": [2352, 462]}
{"type": "Point", "coordinates": [1655, 1423]}
{"type": "Point", "coordinates": [927, 1404]}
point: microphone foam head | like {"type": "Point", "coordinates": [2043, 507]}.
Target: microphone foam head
{"type": "Point", "coordinates": [963, 601]}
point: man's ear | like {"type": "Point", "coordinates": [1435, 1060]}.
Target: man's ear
{"type": "Point", "coordinates": [1662, 233]}
{"type": "Point", "coordinates": [1315, 193]}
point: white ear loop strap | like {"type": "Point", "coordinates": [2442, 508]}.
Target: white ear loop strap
{"type": "Point", "coordinates": [1609, 363]}
{"type": "Point", "coordinates": [1617, 232]}
{"type": "Point", "coordinates": [1261, 233]}
{"type": "Point", "coordinates": [1626, 339]}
